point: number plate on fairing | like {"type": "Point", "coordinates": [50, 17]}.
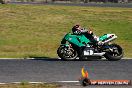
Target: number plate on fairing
{"type": "Point", "coordinates": [88, 51]}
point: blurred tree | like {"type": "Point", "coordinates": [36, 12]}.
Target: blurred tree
{"type": "Point", "coordinates": [76, 1]}
{"type": "Point", "coordinates": [2, 1]}
{"type": "Point", "coordinates": [46, 1]}
{"type": "Point", "coordinates": [32, 0]}
{"type": "Point", "coordinates": [53, 0]}
{"type": "Point", "coordinates": [86, 1]}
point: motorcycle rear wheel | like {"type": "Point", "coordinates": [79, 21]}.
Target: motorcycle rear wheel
{"type": "Point", "coordinates": [117, 53]}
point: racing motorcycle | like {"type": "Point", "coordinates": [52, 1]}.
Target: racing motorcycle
{"type": "Point", "coordinates": [78, 46]}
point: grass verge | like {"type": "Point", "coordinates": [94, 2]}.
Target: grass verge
{"type": "Point", "coordinates": [36, 30]}
{"type": "Point", "coordinates": [28, 85]}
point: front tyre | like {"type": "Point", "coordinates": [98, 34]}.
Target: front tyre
{"type": "Point", "coordinates": [66, 53]}
{"type": "Point", "coordinates": [115, 53]}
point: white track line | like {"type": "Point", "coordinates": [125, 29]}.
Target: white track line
{"type": "Point", "coordinates": [41, 82]}
{"type": "Point", "coordinates": [22, 82]}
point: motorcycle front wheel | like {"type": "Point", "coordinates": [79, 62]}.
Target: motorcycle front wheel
{"type": "Point", "coordinates": [66, 53]}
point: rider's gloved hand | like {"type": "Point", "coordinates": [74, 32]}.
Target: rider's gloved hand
{"type": "Point", "coordinates": [96, 38]}
{"type": "Point", "coordinates": [90, 32]}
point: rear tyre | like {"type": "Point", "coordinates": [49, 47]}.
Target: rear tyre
{"type": "Point", "coordinates": [116, 53]}
{"type": "Point", "coordinates": [66, 53]}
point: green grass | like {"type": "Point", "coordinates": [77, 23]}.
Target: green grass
{"type": "Point", "coordinates": [36, 30]}
{"type": "Point", "coordinates": [28, 85]}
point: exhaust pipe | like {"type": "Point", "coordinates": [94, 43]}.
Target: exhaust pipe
{"type": "Point", "coordinates": [99, 54]}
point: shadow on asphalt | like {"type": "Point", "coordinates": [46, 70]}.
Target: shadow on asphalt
{"type": "Point", "coordinates": [56, 59]}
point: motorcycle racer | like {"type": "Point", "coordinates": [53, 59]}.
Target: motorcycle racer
{"type": "Point", "coordinates": [77, 30]}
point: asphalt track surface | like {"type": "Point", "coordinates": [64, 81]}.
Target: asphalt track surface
{"type": "Point", "coordinates": [122, 5]}
{"type": "Point", "coordinates": [54, 70]}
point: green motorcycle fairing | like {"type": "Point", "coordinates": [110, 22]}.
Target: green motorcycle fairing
{"type": "Point", "coordinates": [79, 40]}
{"type": "Point", "coordinates": [102, 38]}
{"type": "Point", "coordinates": [107, 37]}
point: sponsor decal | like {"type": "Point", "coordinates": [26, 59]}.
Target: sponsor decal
{"type": "Point", "coordinates": [85, 81]}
